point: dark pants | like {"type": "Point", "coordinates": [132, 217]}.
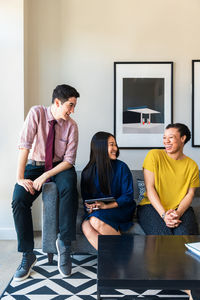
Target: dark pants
{"type": "Point", "coordinates": [153, 224]}
{"type": "Point", "coordinates": [195, 294]}
{"type": "Point", "coordinates": [66, 183]}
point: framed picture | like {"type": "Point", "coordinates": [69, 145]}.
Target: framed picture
{"type": "Point", "coordinates": [195, 103]}
{"type": "Point", "coordinates": [143, 103]}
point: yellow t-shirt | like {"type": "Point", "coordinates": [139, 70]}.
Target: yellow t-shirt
{"type": "Point", "coordinates": [173, 177]}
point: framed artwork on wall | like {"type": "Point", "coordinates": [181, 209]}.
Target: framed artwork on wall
{"type": "Point", "coordinates": [143, 103]}
{"type": "Point", "coordinates": [195, 103]}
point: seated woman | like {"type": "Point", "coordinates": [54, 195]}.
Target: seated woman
{"type": "Point", "coordinates": [106, 176]}
{"type": "Point", "coordinates": [171, 178]}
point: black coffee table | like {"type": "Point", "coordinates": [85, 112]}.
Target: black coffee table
{"type": "Point", "coordinates": [151, 262]}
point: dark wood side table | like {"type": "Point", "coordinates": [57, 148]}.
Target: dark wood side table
{"type": "Point", "coordinates": [151, 262]}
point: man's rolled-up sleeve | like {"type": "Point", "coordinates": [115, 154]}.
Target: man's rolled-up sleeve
{"type": "Point", "coordinates": [71, 150]}
{"type": "Point", "coordinates": [29, 130]}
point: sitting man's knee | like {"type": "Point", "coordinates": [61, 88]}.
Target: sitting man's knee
{"type": "Point", "coordinates": [20, 197]}
{"type": "Point", "coordinates": [66, 187]}
{"type": "Point", "coordinates": [18, 201]}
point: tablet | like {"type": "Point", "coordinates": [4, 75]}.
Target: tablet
{"type": "Point", "coordinates": [106, 200]}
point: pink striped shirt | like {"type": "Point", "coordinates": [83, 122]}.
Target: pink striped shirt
{"type": "Point", "coordinates": [35, 131]}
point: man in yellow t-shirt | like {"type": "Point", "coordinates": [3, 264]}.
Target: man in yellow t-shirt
{"type": "Point", "coordinates": [171, 178]}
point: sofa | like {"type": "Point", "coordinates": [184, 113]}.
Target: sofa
{"type": "Point", "coordinates": [81, 245]}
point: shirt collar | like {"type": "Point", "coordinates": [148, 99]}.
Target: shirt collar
{"type": "Point", "coordinates": [49, 114]}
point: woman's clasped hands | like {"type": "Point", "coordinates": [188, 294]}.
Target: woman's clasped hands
{"type": "Point", "coordinates": [172, 218]}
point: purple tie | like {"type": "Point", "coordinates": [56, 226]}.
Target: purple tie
{"type": "Point", "coordinates": [49, 151]}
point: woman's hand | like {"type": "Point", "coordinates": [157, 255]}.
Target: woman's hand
{"type": "Point", "coordinates": [100, 205]}
{"type": "Point", "coordinates": [91, 207]}
{"type": "Point", "coordinates": [172, 218]}
{"type": "Point", "coordinates": [95, 206]}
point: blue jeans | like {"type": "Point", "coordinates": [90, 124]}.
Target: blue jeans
{"type": "Point", "coordinates": [66, 183]}
{"type": "Point", "coordinates": [153, 224]}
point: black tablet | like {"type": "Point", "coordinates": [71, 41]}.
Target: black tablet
{"type": "Point", "coordinates": [106, 200]}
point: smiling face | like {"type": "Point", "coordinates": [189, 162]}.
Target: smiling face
{"type": "Point", "coordinates": [172, 141]}
{"type": "Point", "coordinates": [112, 148]}
{"type": "Point", "coordinates": [63, 110]}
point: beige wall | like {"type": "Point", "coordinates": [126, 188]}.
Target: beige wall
{"type": "Point", "coordinates": [77, 41]}
{"type": "Point", "coordinates": [42, 50]}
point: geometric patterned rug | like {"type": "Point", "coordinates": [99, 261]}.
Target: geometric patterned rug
{"type": "Point", "coordinates": [46, 283]}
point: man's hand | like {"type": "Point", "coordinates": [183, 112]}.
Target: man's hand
{"type": "Point", "coordinates": [27, 184]}
{"type": "Point", "coordinates": [172, 218]}
{"type": "Point", "coordinates": [38, 182]}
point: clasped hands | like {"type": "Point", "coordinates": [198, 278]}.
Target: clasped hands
{"type": "Point", "coordinates": [172, 218]}
{"type": "Point", "coordinates": [96, 205]}
{"type": "Point", "coordinates": [32, 186]}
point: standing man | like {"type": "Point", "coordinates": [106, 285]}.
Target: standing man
{"type": "Point", "coordinates": [49, 139]}
{"type": "Point", "coordinates": [171, 178]}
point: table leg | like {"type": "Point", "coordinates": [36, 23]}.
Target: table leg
{"type": "Point", "coordinates": [98, 293]}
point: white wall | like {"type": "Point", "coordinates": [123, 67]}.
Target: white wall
{"type": "Point", "coordinates": [77, 42]}
{"type": "Point", "coordinates": [12, 105]}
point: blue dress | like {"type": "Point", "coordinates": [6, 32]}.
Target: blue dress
{"type": "Point", "coordinates": [120, 217]}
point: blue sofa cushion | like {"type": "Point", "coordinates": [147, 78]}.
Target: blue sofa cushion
{"type": "Point", "coordinates": [141, 189]}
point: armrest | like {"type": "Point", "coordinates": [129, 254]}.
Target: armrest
{"type": "Point", "coordinates": [50, 217]}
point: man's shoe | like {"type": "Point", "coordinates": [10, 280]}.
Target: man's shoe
{"type": "Point", "coordinates": [24, 269]}
{"type": "Point", "coordinates": [64, 259]}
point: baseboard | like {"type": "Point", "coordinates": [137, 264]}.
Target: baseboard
{"type": "Point", "coordinates": [8, 234]}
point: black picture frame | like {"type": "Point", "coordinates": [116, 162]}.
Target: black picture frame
{"type": "Point", "coordinates": [195, 103]}
{"type": "Point", "coordinates": [143, 103]}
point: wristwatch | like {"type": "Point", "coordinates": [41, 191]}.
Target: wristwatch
{"type": "Point", "coordinates": [163, 215]}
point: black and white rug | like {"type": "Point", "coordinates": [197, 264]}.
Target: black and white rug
{"type": "Point", "coordinates": [45, 283]}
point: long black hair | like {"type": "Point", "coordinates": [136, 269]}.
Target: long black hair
{"type": "Point", "coordinates": [99, 163]}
